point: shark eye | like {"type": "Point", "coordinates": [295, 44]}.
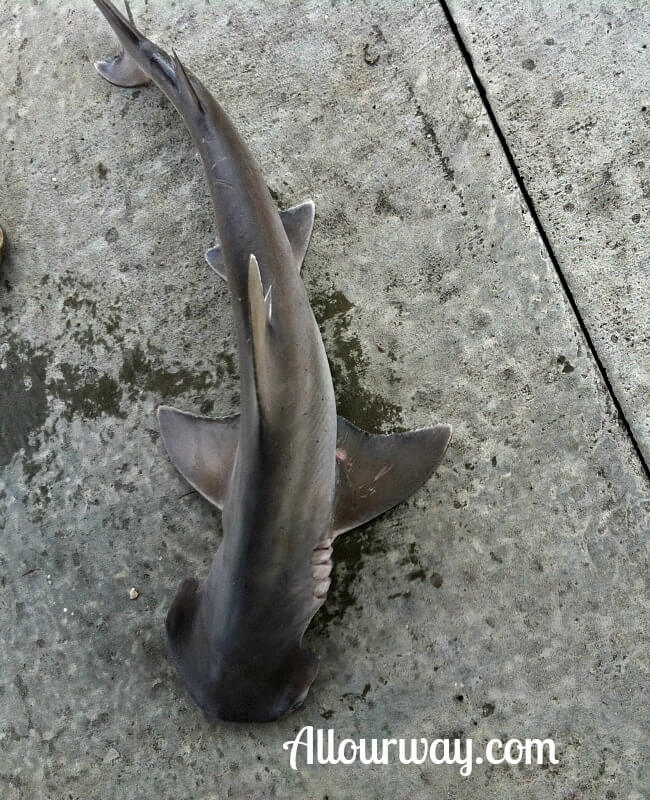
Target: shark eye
{"type": "Point", "coordinates": [298, 704]}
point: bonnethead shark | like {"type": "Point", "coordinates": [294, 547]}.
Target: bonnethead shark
{"type": "Point", "coordinates": [287, 473]}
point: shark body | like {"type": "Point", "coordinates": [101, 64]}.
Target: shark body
{"type": "Point", "coordinates": [287, 473]}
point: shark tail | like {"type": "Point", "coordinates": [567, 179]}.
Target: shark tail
{"type": "Point", "coordinates": [140, 61]}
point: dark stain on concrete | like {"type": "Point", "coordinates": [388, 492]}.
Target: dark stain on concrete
{"type": "Point", "coordinates": [139, 373]}
{"type": "Point", "coordinates": [86, 393]}
{"type": "Point", "coordinates": [385, 206]}
{"type": "Point", "coordinates": [370, 56]}
{"type": "Point", "coordinates": [84, 304]}
{"type": "Point", "coordinates": [430, 134]}
{"type": "Point", "coordinates": [371, 50]}
{"type": "Point", "coordinates": [349, 365]}
{"type": "Point", "coordinates": [567, 367]}
{"type": "Point", "coordinates": [23, 395]}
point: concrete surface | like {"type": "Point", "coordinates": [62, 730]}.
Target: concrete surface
{"type": "Point", "coordinates": [569, 85]}
{"type": "Point", "coordinates": [508, 598]}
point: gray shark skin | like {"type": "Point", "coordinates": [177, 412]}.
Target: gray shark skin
{"type": "Point", "coordinates": [287, 473]}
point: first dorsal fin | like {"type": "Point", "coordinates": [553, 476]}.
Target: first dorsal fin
{"type": "Point", "coordinates": [260, 309]}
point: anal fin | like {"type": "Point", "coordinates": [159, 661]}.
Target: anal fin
{"type": "Point", "coordinates": [375, 472]}
{"type": "Point", "coordinates": [202, 449]}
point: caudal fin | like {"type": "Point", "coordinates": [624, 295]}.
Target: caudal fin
{"type": "Point", "coordinates": [122, 69]}
{"type": "Point", "coordinates": [140, 61]}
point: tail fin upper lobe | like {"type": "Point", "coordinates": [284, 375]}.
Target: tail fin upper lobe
{"type": "Point", "coordinates": [141, 61]}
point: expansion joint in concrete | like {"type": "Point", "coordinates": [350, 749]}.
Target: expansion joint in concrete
{"type": "Point", "coordinates": [543, 235]}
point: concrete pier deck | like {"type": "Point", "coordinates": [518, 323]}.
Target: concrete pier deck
{"type": "Point", "coordinates": [456, 278]}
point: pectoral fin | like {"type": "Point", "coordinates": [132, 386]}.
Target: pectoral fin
{"type": "Point", "coordinates": [375, 472]}
{"type": "Point", "coordinates": [202, 449]}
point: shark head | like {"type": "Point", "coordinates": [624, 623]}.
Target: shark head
{"type": "Point", "coordinates": [261, 681]}
{"type": "Point", "coordinates": [263, 690]}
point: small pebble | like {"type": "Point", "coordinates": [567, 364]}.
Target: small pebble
{"type": "Point", "coordinates": [133, 593]}
{"type": "Point", "coordinates": [111, 755]}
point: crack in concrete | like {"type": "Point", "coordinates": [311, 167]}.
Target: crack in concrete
{"type": "Point", "coordinates": [467, 57]}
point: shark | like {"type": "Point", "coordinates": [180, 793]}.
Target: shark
{"type": "Point", "coordinates": [288, 474]}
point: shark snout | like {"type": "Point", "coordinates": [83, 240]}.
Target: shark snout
{"type": "Point", "coordinates": [261, 680]}
{"type": "Point", "coordinates": [268, 697]}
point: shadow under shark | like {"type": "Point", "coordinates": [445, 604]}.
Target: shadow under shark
{"type": "Point", "coordinates": [288, 475]}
